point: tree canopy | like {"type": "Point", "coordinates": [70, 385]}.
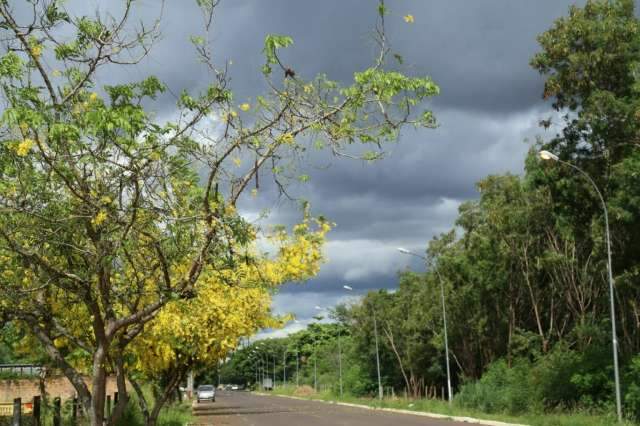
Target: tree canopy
{"type": "Point", "coordinates": [111, 218]}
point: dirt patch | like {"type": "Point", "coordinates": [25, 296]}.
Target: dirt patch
{"type": "Point", "coordinates": [304, 391]}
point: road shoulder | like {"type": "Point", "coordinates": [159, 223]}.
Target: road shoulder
{"type": "Point", "coordinates": [400, 411]}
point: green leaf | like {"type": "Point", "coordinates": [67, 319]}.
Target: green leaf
{"type": "Point", "coordinates": [382, 9]}
{"type": "Point", "coordinates": [197, 40]}
{"type": "Point", "coordinates": [272, 43]}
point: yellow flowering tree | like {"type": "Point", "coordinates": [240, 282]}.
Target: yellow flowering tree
{"type": "Point", "coordinates": [198, 333]}
{"type": "Point", "coordinates": [110, 215]}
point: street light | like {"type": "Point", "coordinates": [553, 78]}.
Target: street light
{"type": "Point", "coordinates": [548, 156]}
{"type": "Point", "coordinates": [444, 319]}
{"type": "Point", "coordinates": [375, 333]}
{"type": "Point", "coordinates": [315, 359]}
{"type": "Point", "coordinates": [262, 364]}
{"type": "Point", "coordinates": [297, 361]}
{"type": "Point", "coordinates": [252, 354]}
{"type": "Point", "coordinates": [284, 367]}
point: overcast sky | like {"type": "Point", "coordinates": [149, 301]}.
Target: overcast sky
{"type": "Point", "coordinates": [490, 103]}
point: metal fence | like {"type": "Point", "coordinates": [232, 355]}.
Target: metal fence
{"type": "Point", "coordinates": [21, 369]}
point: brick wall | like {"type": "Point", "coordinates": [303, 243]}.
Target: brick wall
{"type": "Point", "coordinates": [54, 386]}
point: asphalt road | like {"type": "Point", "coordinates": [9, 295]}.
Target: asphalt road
{"type": "Point", "coordinates": [246, 409]}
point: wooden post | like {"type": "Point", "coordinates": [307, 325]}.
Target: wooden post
{"type": "Point", "coordinates": [17, 412]}
{"type": "Point", "coordinates": [115, 398]}
{"type": "Point", "coordinates": [36, 411]}
{"type": "Point", "coordinates": [56, 412]}
{"type": "Point", "coordinates": [108, 410]}
{"type": "Point", "coordinates": [74, 410]}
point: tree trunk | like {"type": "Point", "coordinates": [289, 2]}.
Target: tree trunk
{"type": "Point", "coordinates": [142, 401]}
{"type": "Point", "coordinates": [74, 377]}
{"type": "Point", "coordinates": [534, 301]}
{"type": "Point", "coordinates": [389, 334]}
{"type": "Point", "coordinates": [123, 397]}
{"type": "Point", "coordinates": [98, 388]}
{"type": "Point", "coordinates": [177, 375]}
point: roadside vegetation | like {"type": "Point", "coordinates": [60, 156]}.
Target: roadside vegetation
{"type": "Point", "coordinates": [524, 270]}
{"type": "Point", "coordinates": [436, 406]}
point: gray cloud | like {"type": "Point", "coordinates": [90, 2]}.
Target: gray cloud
{"type": "Point", "coordinates": [478, 52]}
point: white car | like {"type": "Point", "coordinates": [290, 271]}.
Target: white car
{"type": "Point", "coordinates": [206, 393]}
{"type": "Point", "coordinates": [235, 387]}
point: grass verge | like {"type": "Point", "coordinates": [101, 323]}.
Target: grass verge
{"type": "Point", "coordinates": [442, 407]}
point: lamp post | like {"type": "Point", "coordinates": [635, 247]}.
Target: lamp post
{"type": "Point", "coordinates": [284, 367]}
{"type": "Point", "coordinates": [444, 320]}
{"type": "Point", "coordinates": [339, 348]}
{"type": "Point", "coordinates": [315, 357]}
{"type": "Point", "coordinates": [375, 333]}
{"type": "Point", "coordinates": [297, 361]}
{"type": "Point", "coordinates": [297, 368]}
{"type": "Point", "coordinates": [548, 156]}
{"type": "Point", "coordinates": [261, 365]}
{"type": "Point", "coordinates": [253, 353]}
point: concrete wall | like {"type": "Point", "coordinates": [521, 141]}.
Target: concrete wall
{"type": "Point", "coordinates": [55, 386]}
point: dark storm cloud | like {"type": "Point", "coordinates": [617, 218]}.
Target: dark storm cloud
{"type": "Point", "coordinates": [476, 51]}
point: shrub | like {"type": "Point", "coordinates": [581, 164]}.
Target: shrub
{"type": "Point", "coordinates": [632, 392]}
{"type": "Point", "coordinates": [502, 389]}
{"type": "Point", "coordinates": [552, 377]}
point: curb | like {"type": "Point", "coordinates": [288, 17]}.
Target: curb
{"type": "Point", "coordinates": [400, 411]}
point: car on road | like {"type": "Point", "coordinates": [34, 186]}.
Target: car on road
{"type": "Point", "coordinates": [267, 384]}
{"type": "Point", "coordinates": [235, 387]}
{"type": "Point", "coordinates": [206, 393]}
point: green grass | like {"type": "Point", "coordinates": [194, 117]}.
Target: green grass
{"type": "Point", "coordinates": [442, 407]}
{"type": "Point", "coordinates": [176, 414]}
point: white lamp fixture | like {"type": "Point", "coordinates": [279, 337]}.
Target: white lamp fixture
{"type": "Point", "coordinates": [546, 155]}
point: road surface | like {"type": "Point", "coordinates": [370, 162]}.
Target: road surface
{"type": "Point", "coordinates": [246, 409]}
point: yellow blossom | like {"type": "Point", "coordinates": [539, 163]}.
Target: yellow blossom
{"type": "Point", "coordinates": [99, 218]}
{"type": "Point", "coordinates": [36, 51]}
{"type": "Point", "coordinates": [408, 19]}
{"type": "Point", "coordinates": [245, 107]}
{"type": "Point", "coordinates": [93, 97]}
{"type": "Point", "coordinates": [227, 116]}
{"type": "Point", "coordinates": [286, 138]}
{"type": "Point", "coordinates": [237, 161]}
{"type": "Point", "coordinates": [24, 147]}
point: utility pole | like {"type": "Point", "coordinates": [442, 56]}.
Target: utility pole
{"type": "Point", "coordinates": [340, 360]}
{"type": "Point", "coordinates": [315, 366]}
{"type": "Point", "coordinates": [375, 329]}
{"type": "Point", "coordinates": [284, 367]}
